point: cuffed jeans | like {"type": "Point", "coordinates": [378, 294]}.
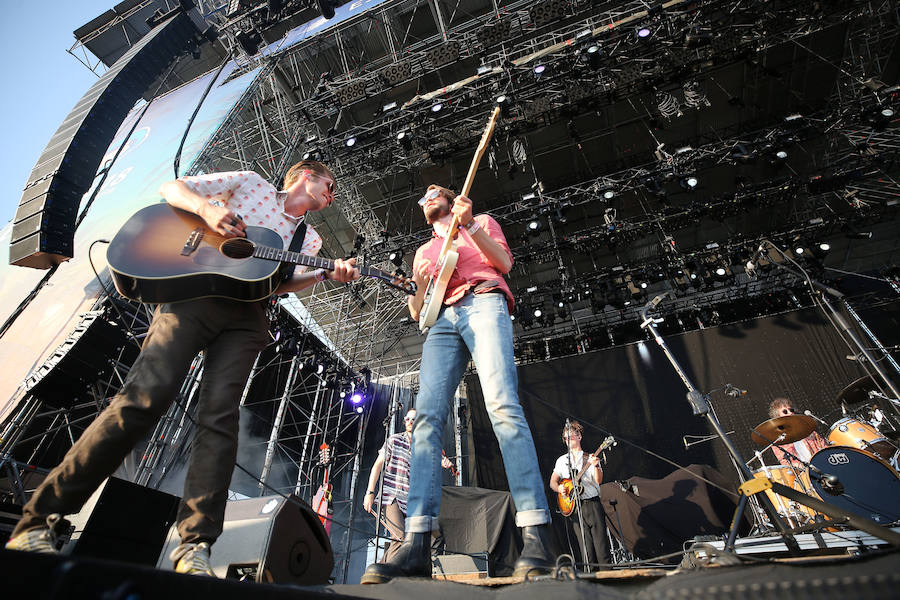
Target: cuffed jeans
{"type": "Point", "coordinates": [478, 326]}
{"type": "Point", "coordinates": [232, 333]}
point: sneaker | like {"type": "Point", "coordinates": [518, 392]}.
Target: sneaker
{"type": "Point", "coordinates": [40, 539]}
{"type": "Point", "coordinates": [192, 559]}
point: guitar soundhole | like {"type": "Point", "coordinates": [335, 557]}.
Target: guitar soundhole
{"type": "Point", "coordinates": [237, 248]}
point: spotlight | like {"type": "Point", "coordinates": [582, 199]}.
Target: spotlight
{"type": "Point", "coordinates": [609, 194]}
{"type": "Point", "coordinates": [824, 246]}
{"type": "Point", "coordinates": [720, 271]}
{"type": "Point", "coordinates": [359, 409]}
{"type": "Point", "coordinates": [505, 104]}
{"type": "Point", "coordinates": [396, 257]}
{"type": "Point", "coordinates": [437, 107]}
{"type": "Point", "coordinates": [539, 69]}
{"type": "Point", "coordinates": [533, 227]}
{"type": "Point", "coordinates": [537, 312]}
{"type": "Point", "coordinates": [689, 182]}
{"type": "Point", "coordinates": [356, 398]}
{"type": "Point", "coordinates": [821, 249]}
{"type": "Point", "coordinates": [350, 141]}
{"type": "Point", "coordinates": [781, 155]}
{"type": "Point", "coordinates": [887, 113]}
{"type": "Point", "coordinates": [643, 32]}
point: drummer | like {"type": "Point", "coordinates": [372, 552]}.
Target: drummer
{"type": "Point", "coordinates": [802, 449]}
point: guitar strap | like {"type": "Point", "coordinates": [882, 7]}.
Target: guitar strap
{"type": "Point", "coordinates": [287, 270]}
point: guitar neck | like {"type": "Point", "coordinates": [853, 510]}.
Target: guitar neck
{"type": "Point", "coordinates": [305, 260]}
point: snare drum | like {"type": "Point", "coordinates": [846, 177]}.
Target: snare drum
{"type": "Point", "coordinates": [794, 512]}
{"type": "Point", "coordinates": [856, 433]}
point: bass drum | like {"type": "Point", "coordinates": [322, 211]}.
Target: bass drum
{"type": "Point", "coordinates": [867, 486]}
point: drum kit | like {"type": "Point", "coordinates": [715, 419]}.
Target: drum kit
{"type": "Point", "coordinates": [857, 470]}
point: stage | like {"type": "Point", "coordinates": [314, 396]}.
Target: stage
{"type": "Point", "coordinates": [869, 576]}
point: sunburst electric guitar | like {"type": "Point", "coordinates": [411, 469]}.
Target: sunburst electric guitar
{"type": "Point", "coordinates": [446, 263]}
{"type": "Point", "coordinates": [569, 487]}
{"type": "Point", "coordinates": [165, 254]}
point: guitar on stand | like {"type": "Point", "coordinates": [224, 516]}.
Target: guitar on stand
{"type": "Point", "coordinates": [446, 263]}
{"type": "Point", "coordinates": [322, 499]}
{"type": "Point", "coordinates": [570, 487]}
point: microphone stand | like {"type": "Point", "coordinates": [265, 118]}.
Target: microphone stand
{"type": "Point", "coordinates": [700, 404]}
{"type": "Point", "coordinates": [577, 496]}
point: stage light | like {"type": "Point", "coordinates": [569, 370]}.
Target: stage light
{"type": "Point", "coordinates": [781, 155]}
{"type": "Point", "coordinates": [350, 141]}
{"type": "Point", "coordinates": [689, 182]}
{"type": "Point", "coordinates": [887, 113]}
{"type": "Point", "coordinates": [389, 106]}
{"type": "Point", "coordinates": [356, 398]}
{"type": "Point", "coordinates": [359, 409]}
{"type": "Point", "coordinates": [643, 32]}
{"type": "Point", "coordinates": [396, 257]}
{"type": "Point", "coordinates": [539, 69]}
{"type": "Point", "coordinates": [720, 272]}
{"type": "Point", "coordinates": [437, 107]}
{"type": "Point", "coordinates": [644, 285]}
{"type": "Point", "coordinates": [609, 194]}
{"type": "Point", "coordinates": [537, 312]}
{"type": "Point", "coordinates": [824, 246]}
{"type": "Point", "coordinates": [799, 250]}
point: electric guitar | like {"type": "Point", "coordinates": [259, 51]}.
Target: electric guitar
{"type": "Point", "coordinates": [322, 499]}
{"type": "Point", "coordinates": [165, 254]}
{"type": "Point", "coordinates": [446, 262]}
{"type": "Point", "coordinates": [569, 487]}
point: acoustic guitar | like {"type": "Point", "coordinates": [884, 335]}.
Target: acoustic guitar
{"type": "Point", "coordinates": [165, 254]}
{"type": "Point", "coordinates": [569, 487]}
{"type": "Point", "coordinates": [446, 262]}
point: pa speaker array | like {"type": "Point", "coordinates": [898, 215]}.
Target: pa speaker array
{"type": "Point", "coordinates": [44, 226]}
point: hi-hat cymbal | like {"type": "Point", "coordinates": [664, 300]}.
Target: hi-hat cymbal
{"type": "Point", "coordinates": [857, 392]}
{"type": "Point", "coordinates": [794, 428]}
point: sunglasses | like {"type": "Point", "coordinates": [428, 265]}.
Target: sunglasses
{"type": "Point", "coordinates": [328, 182]}
{"type": "Point", "coordinates": [409, 420]}
{"type": "Point", "coordinates": [429, 196]}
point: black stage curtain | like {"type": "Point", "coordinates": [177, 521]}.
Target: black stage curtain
{"type": "Point", "coordinates": [633, 393]}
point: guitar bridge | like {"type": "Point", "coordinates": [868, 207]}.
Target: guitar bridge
{"type": "Point", "coordinates": [193, 242]}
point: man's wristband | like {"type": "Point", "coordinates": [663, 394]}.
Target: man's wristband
{"type": "Point", "coordinates": [370, 493]}
{"type": "Point", "coordinates": [472, 226]}
{"type": "Point", "coordinates": [320, 274]}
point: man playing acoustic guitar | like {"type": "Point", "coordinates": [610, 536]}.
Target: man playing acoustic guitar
{"type": "Point", "coordinates": [473, 323]}
{"type": "Point", "coordinates": [594, 542]}
{"type": "Point", "coordinates": [230, 332]}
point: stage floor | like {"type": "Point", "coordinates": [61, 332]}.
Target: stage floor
{"type": "Point", "coordinates": [872, 576]}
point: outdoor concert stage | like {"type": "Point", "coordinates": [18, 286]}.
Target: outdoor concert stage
{"type": "Point", "coordinates": [871, 576]}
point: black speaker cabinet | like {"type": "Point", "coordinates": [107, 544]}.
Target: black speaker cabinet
{"type": "Point", "coordinates": [123, 521]}
{"type": "Point", "coordinates": [270, 540]}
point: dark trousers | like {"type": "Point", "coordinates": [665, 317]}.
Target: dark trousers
{"type": "Point", "coordinates": [594, 531]}
{"type": "Point", "coordinates": [232, 334]}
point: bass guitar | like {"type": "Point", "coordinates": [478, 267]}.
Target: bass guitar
{"type": "Point", "coordinates": [322, 499]}
{"type": "Point", "coordinates": [568, 488]}
{"type": "Point", "coordinates": [446, 262]}
{"type": "Point", "coordinates": [165, 254]}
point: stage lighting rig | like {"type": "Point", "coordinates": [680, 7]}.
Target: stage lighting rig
{"type": "Point", "coordinates": [396, 72]}
{"type": "Point", "coordinates": [492, 34]}
{"type": "Point", "coordinates": [443, 54]}
{"type": "Point", "coordinates": [668, 105]}
{"type": "Point", "coordinates": [542, 13]}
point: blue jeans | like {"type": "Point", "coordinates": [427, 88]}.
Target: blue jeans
{"type": "Point", "coordinates": [476, 326]}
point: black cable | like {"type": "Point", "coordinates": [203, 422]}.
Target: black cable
{"type": "Point", "coordinates": [187, 128]}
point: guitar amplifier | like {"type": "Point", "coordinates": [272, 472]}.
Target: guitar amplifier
{"type": "Point", "coordinates": [269, 540]}
{"type": "Point", "coordinates": [461, 566]}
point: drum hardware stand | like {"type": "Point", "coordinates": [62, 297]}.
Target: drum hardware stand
{"type": "Point", "coordinates": [700, 404]}
{"type": "Point", "coordinates": [577, 499]}
{"type": "Point", "coordinates": [835, 317]}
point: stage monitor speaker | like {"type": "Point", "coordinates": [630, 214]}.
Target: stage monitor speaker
{"type": "Point", "coordinates": [44, 226]}
{"type": "Point", "coordinates": [123, 521]}
{"type": "Point", "coordinates": [270, 540]}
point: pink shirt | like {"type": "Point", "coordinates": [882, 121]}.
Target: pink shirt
{"type": "Point", "coordinates": [257, 202]}
{"type": "Point", "coordinates": [472, 267]}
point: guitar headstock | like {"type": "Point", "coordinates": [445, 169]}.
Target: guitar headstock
{"type": "Point", "coordinates": [607, 442]}
{"type": "Point", "coordinates": [395, 280]}
{"type": "Point", "coordinates": [324, 454]}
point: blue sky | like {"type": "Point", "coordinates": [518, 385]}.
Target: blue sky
{"type": "Point", "coordinates": [43, 83]}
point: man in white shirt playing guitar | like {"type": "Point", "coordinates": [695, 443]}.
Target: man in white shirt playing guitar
{"type": "Point", "coordinates": [593, 544]}
{"type": "Point", "coordinates": [473, 322]}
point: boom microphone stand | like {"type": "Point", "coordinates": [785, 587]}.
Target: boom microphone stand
{"type": "Point", "coordinates": [700, 404]}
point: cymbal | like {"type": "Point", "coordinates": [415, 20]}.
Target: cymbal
{"type": "Point", "coordinates": [794, 428]}
{"type": "Point", "coordinates": [857, 392]}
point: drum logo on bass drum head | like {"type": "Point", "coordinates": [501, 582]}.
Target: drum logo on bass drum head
{"type": "Point", "coordinates": [838, 458]}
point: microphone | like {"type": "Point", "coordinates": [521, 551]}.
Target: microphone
{"type": "Point", "coordinates": [809, 414]}
{"type": "Point", "coordinates": [733, 391]}
{"type": "Point", "coordinates": [753, 264]}
{"type": "Point", "coordinates": [832, 485]}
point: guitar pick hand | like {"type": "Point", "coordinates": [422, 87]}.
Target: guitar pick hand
{"type": "Point", "coordinates": [222, 220]}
